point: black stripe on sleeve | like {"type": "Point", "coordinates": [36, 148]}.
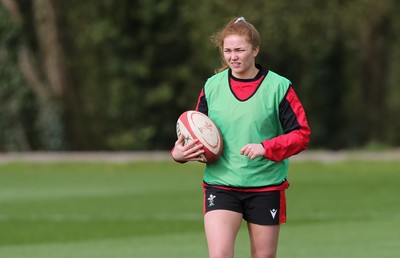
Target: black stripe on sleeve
{"type": "Point", "coordinates": [287, 116]}
{"type": "Point", "coordinates": [202, 105]}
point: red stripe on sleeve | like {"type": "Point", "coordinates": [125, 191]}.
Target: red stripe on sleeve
{"type": "Point", "coordinates": [286, 145]}
{"type": "Point", "coordinates": [199, 99]}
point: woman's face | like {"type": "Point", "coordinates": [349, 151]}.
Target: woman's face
{"type": "Point", "coordinates": [240, 56]}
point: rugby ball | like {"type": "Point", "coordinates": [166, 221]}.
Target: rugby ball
{"type": "Point", "coordinates": [196, 125]}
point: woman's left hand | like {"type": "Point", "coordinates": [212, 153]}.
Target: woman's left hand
{"type": "Point", "coordinates": [253, 150]}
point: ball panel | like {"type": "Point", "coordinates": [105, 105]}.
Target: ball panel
{"type": "Point", "coordinates": [195, 125]}
{"type": "Point", "coordinates": [183, 127]}
{"type": "Point", "coordinates": [205, 130]}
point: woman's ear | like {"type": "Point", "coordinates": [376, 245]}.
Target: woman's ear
{"type": "Point", "coordinates": [255, 51]}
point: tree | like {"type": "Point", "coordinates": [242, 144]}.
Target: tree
{"type": "Point", "coordinates": [115, 75]}
{"type": "Point", "coordinates": [41, 61]}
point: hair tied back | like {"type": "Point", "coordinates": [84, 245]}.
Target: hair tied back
{"type": "Point", "coordinates": [240, 19]}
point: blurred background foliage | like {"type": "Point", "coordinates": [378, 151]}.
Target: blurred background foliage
{"type": "Point", "coordinates": [115, 75]}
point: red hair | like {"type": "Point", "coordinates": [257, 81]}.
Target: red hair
{"type": "Point", "coordinates": [237, 26]}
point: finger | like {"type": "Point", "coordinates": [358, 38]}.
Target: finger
{"type": "Point", "coordinates": [199, 157]}
{"type": "Point", "coordinates": [192, 143]}
{"type": "Point", "coordinates": [243, 150]}
{"type": "Point", "coordinates": [195, 155]}
{"type": "Point", "coordinates": [180, 140]}
{"type": "Point", "coordinates": [246, 151]}
{"type": "Point", "coordinates": [195, 151]}
{"type": "Point", "coordinates": [197, 147]}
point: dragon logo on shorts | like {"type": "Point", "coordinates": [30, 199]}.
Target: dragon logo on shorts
{"type": "Point", "coordinates": [211, 200]}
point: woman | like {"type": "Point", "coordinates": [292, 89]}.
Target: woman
{"type": "Point", "coordinates": [262, 123]}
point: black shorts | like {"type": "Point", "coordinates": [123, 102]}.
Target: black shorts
{"type": "Point", "coordinates": [264, 207]}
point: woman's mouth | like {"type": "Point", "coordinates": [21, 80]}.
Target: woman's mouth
{"type": "Point", "coordinates": [235, 64]}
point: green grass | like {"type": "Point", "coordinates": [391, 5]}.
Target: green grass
{"type": "Point", "coordinates": [58, 210]}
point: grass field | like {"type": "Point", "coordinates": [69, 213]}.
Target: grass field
{"type": "Point", "coordinates": [121, 210]}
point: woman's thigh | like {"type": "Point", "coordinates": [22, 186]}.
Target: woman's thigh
{"type": "Point", "coordinates": [264, 240]}
{"type": "Point", "coordinates": [221, 227]}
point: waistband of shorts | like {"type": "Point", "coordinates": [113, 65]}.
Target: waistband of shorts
{"type": "Point", "coordinates": [284, 185]}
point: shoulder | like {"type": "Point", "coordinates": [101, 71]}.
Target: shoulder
{"type": "Point", "coordinates": [278, 79]}
{"type": "Point", "coordinates": [216, 79]}
{"type": "Point", "coordinates": [218, 76]}
{"type": "Point", "coordinates": [277, 84]}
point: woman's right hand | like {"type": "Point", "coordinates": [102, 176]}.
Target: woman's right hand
{"type": "Point", "coordinates": [189, 152]}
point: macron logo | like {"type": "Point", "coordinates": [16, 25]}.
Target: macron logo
{"type": "Point", "coordinates": [273, 213]}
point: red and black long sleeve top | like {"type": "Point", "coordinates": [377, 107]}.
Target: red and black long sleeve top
{"type": "Point", "coordinates": [292, 117]}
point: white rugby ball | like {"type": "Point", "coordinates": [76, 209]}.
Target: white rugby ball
{"type": "Point", "coordinates": [196, 125]}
